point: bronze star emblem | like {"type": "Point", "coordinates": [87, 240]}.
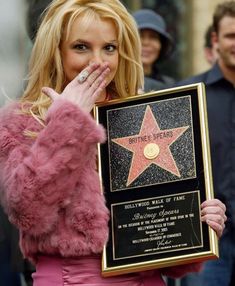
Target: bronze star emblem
{"type": "Point", "coordinates": [151, 146]}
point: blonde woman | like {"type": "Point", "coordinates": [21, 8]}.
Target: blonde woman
{"type": "Point", "coordinates": [84, 52]}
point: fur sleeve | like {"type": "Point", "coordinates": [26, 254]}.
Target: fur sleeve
{"type": "Point", "coordinates": [39, 178]}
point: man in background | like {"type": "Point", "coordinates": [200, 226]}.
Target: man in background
{"type": "Point", "coordinates": [210, 48]}
{"type": "Point", "coordinates": [220, 95]}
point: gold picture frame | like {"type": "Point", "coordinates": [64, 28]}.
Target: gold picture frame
{"type": "Point", "coordinates": [155, 170]}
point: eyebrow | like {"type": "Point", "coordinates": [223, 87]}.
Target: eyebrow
{"type": "Point", "coordinates": [86, 42]}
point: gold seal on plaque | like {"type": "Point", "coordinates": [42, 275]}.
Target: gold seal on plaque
{"type": "Point", "coordinates": [151, 151]}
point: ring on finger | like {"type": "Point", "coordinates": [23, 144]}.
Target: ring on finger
{"type": "Point", "coordinates": [83, 76]}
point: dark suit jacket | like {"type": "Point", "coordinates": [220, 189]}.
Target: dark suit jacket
{"type": "Point", "coordinates": [9, 238]}
{"type": "Point", "coordinates": [153, 85]}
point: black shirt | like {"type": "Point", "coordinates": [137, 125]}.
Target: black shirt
{"type": "Point", "coordinates": [220, 95]}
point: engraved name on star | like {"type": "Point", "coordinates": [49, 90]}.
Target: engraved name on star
{"type": "Point", "coordinates": [151, 146]}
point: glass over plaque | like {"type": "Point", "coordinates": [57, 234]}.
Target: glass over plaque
{"type": "Point", "coordinates": [155, 171]}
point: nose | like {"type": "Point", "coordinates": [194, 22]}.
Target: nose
{"type": "Point", "coordinates": [145, 40]}
{"type": "Point", "coordinates": [96, 57]}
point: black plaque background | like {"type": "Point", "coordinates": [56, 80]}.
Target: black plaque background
{"type": "Point", "coordinates": [172, 188]}
{"type": "Point", "coordinates": [158, 229]}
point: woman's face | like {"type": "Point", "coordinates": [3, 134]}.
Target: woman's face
{"type": "Point", "coordinates": [95, 42]}
{"type": "Point", "coordinates": [151, 46]}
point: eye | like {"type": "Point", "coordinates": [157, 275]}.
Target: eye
{"type": "Point", "coordinates": [110, 48]}
{"type": "Point", "coordinates": [80, 47]}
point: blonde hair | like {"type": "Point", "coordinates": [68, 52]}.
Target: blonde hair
{"type": "Point", "coordinates": [45, 66]}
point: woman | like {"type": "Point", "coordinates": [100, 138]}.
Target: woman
{"type": "Point", "coordinates": [157, 44]}
{"type": "Point", "coordinates": [84, 52]}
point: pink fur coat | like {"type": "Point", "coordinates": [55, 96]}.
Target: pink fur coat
{"type": "Point", "coordinates": [51, 186]}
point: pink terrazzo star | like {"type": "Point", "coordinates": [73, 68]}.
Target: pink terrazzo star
{"type": "Point", "coordinates": [151, 146]}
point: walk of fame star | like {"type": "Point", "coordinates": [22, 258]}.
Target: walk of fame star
{"type": "Point", "coordinates": [151, 146]}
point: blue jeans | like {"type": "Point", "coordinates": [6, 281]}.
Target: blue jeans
{"type": "Point", "coordinates": [216, 272]}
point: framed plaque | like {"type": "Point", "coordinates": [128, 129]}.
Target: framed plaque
{"type": "Point", "coordinates": [155, 171]}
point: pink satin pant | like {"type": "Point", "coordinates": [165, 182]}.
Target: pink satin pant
{"type": "Point", "coordinates": [53, 271]}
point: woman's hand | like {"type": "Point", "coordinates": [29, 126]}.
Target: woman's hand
{"type": "Point", "coordinates": [213, 213]}
{"type": "Point", "coordinates": [83, 91]}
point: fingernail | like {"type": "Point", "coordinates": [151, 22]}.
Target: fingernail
{"type": "Point", "coordinates": [44, 89]}
{"type": "Point", "coordinates": [93, 64]}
